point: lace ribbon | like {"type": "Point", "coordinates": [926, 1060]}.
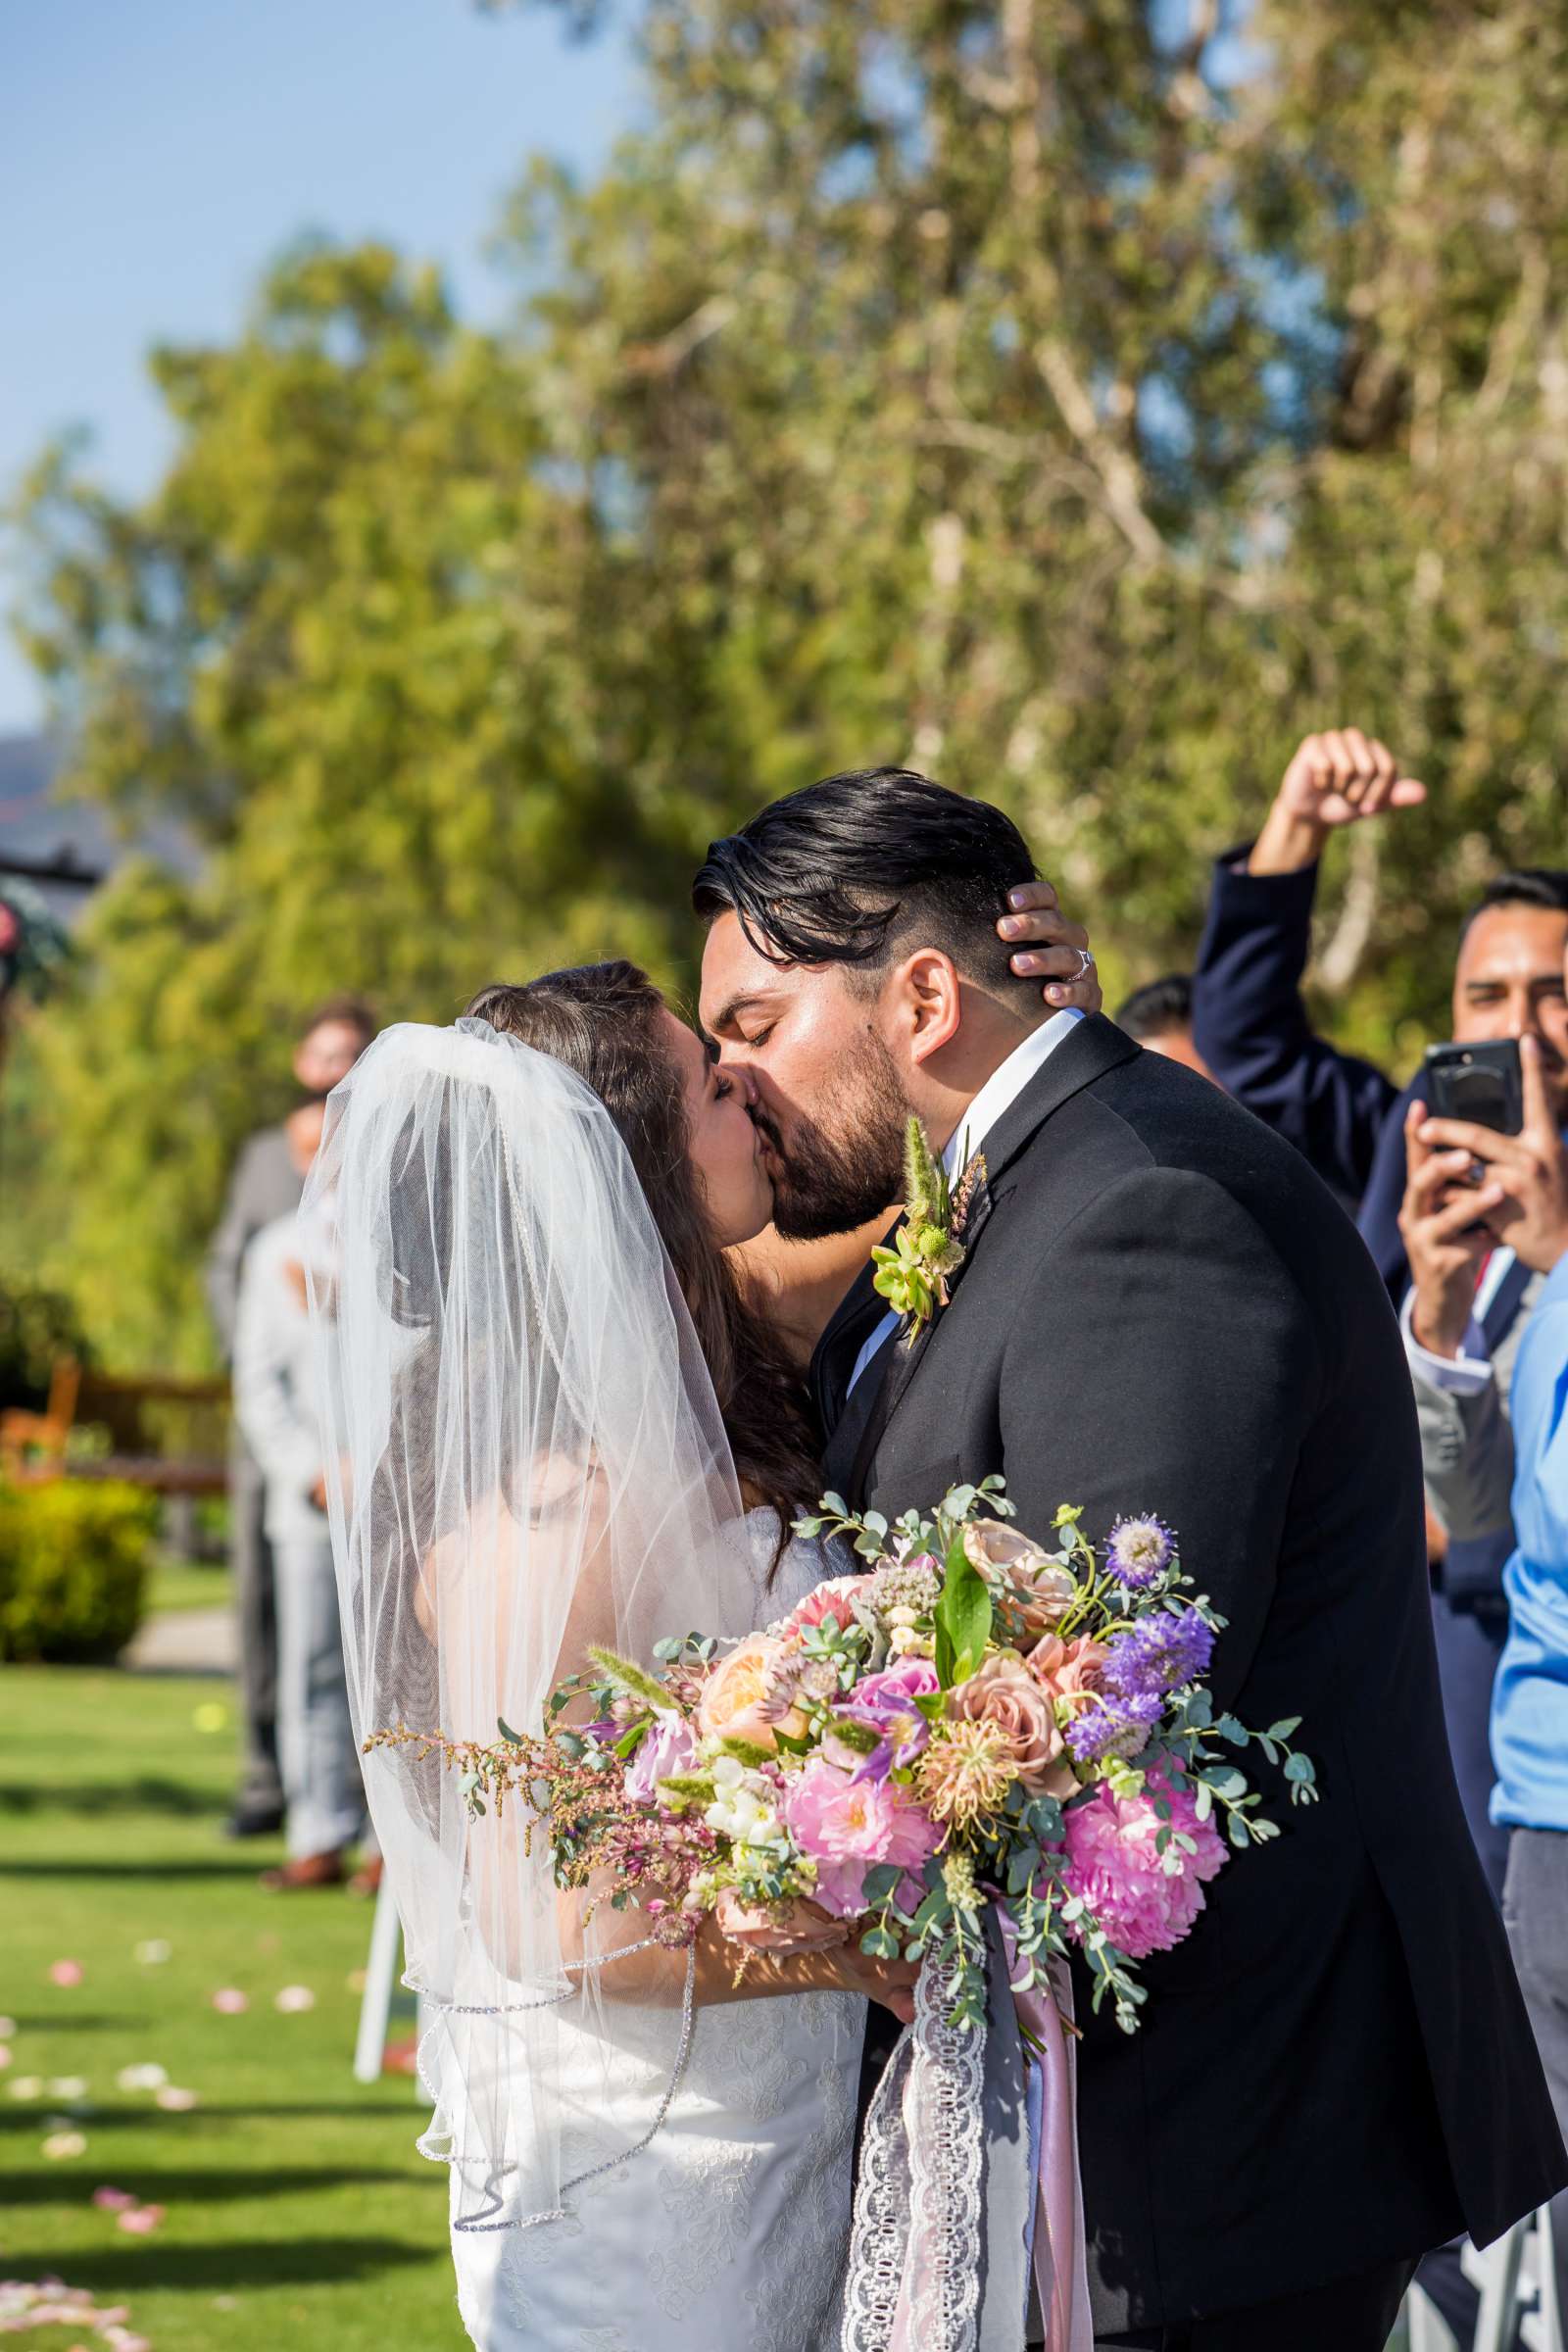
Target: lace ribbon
{"type": "Point", "coordinates": [914, 2249]}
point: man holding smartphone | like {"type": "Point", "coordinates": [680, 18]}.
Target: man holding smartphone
{"type": "Point", "coordinates": [1508, 1476]}
{"type": "Point", "coordinates": [1485, 1209]}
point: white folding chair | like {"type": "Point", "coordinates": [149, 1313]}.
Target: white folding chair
{"type": "Point", "coordinates": [1517, 2286]}
{"type": "Point", "coordinates": [380, 1982]}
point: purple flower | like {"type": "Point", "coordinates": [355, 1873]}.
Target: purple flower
{"type": "Point", "coordinates": [667, 1748]}
{"type": "Point", "coordinates": [1116, 1724]}
{"type": "Point", "coordinates": [1162, 1652]}
{"type": "Point", "coordinates": [885, 1703]}
{"type": "Point", "coordinates": [1140, 1552]}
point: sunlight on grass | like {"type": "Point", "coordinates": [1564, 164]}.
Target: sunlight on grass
{"type": "Point", "coordinates": [295, 2209]}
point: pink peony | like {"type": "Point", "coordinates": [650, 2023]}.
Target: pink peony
{"type": "Point", "coordinates": [840, 1889]}
{"type": "Point", "coordinates": [670, 1747]}
{"type": "Point", "coordinates": [67, 1973]}
{"type": "Point", "coordinates": [835, 1819]}
{"type": "Point", "coordinates": [796, 1925]}
{"type": "Point", "coordinates": [1113, 1864]}
{"type": "Point", "coordinates": [833, 1598]}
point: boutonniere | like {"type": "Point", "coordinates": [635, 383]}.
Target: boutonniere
{"type": "Point", "coordinates": [928, 1248]}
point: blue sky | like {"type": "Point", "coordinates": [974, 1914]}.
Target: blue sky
{"type": "Point", "coordinates": [157, 153]}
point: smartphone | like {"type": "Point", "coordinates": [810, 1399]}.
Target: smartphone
{"type": "Point", "coordinates": [1481, 1083]}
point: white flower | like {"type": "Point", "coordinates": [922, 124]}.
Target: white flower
{"type": "Point", "coordinates": [294, 1997]}
{"type": "Point", "coordinates": [67, 2086]}
{"type": "Point", "coordinates": [61, 2147]}
{"type": "Point", "coordinates": [151, 2077]}
{"type": "Point", "coordinates": [27, 2086]}
{"type": "Point", "coordinates": [176, 2101]}
{"type": "Point", "coordinates": [154, 1952]}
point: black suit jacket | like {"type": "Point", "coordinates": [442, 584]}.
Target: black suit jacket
{"type": "Point", "coordinates": [1163, 1309]}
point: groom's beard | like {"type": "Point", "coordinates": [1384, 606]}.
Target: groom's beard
{"type": "Point", "coordinates": [845, 1164]}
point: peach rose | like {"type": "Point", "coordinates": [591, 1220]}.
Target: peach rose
{"type": "Point", "coordinates": [1067, 1670]}
{"type": "Point", "coordinates": [796, 1925]}
{"type": "Point", "coordinates": [734, 1703]}
{"type": "Point", "coordinates": [1043, 1591]}
{"type": "Point", "coordinates": [1004, 1693]}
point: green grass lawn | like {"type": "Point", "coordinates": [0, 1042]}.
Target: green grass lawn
{"type": "Point", "coordinates": [297, 2211]}
{"type": "Point", "coordinates": [187, 1585]}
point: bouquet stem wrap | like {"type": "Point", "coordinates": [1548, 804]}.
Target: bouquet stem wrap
{"type": "Point", "coordinates": [966, 2200]}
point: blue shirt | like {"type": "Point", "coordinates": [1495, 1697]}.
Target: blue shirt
{"type": "Point", "coordinates": [1529, 1699]}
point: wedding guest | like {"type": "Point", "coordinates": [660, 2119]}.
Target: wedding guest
{"type": "Point", "coordinates": [1349, 1120]}
{"type": "Point", "coordinates": [1160, 1015]}
{"type": "Point", "coordinates": [265, 1185]}
{"type": "Point", "coordinates": [1252, 1027]}
{"type": "Point", "coordinates": [275, 1401]}
{"type": "Point", "coordinates": [1530, 1710]}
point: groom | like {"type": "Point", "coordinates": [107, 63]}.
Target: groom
{"type": "Point", "coordinates": [1161, 1309]}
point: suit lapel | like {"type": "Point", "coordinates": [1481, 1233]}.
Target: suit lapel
{"type": "Point", "coordinates": [1095, 1046]}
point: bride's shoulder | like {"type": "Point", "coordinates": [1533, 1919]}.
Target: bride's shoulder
{"type": "Point", "coordinates": [789, 1572]}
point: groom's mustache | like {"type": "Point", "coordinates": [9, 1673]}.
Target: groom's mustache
{"type": "Point", "coordinates": [767, 1128]}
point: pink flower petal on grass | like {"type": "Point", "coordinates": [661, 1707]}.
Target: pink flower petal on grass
{"type": "Point", "coordinates": [295, 1998]}
{"type": "Point", "coordinates": [67, 1972]}
{"type": "Point", "coordinates": [141, 2220]}
{"type": "Point", "coordinates": [5, 2055]}
{"type": "Point", "coordinates": [176, 2101]}
{"type": "Point", "coordinates": [229, 2001]}
{"type": "Point", "coordinates": [113, 2200]}
{"type": "Point", "coordinates": [8, 2028]}
{"type": "Point", "coordinates": [61, 2147]}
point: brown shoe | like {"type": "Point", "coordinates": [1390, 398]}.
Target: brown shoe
{"type": "Point", "coordinates": [311, 1870]}
{"type": "Point", "coordinates": [366, 1880]}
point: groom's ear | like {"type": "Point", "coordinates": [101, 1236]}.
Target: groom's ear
{"type": "Point", "coordinates": [925, 1001]}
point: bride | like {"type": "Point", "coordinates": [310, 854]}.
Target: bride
{"type": "Point", "coordinates": [558, 1419]}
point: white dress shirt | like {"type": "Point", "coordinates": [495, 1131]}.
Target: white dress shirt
{"type": "Point", "coordinates": [1470, 1371]}
{"type": "Point", "coordinates": [998, 1096]}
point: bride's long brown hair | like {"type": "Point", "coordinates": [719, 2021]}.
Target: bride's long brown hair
{"type": "Point", "coordinates": [603, 1021]}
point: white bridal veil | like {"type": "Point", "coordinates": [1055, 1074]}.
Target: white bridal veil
{"type": "Point", "coordinates": [526, 1456]}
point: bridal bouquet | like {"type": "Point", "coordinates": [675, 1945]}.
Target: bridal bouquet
{"type": "Point", "coordinates": [976, 1720]}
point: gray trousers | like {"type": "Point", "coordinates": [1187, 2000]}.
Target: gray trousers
{"type": "Point", "coordinates": [250, 1555]}
{"type": "Point", "coordinates": [321, 1785]}
{"type": "Point", "coordinates": [1535, 1910]}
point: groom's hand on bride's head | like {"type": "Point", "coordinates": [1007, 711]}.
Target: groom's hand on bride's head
{"type": "Point", "coordinates": [1046, 947]}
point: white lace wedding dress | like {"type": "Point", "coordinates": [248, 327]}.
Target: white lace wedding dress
{"type": "Point", "coordinates": [729, 2231]}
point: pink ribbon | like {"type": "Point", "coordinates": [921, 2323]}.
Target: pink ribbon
{"type": "Point", "coordinates": [1061, 2276]}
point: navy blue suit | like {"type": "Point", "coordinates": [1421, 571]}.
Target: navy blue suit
{"type": "Point", "coordinates": [1252, 1027]}
{"type": "Point", "coordinates": [1347, 1116]}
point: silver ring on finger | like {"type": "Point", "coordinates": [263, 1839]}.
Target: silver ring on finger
{"type": "Point", "coordinates": [1086, 964]}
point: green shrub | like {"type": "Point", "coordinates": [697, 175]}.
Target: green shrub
{"type": "Point", "coordinates": [73, 1562]}
{"type": "Point", "coordinates": [36, 1327]}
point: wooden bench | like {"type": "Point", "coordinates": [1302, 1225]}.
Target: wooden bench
{"type": "Point", "coordinates": [166, 1434]}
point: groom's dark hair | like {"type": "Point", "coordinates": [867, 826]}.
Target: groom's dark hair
{"type": "Point", "coordinates": [854, 868]}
